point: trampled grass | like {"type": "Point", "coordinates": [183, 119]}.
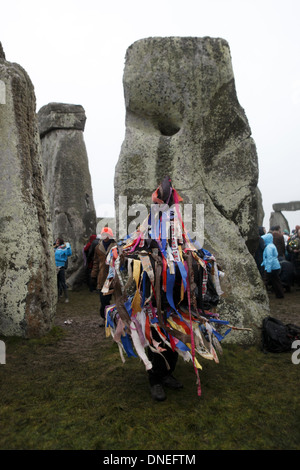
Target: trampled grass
{"type": "Point", "coordinates": [53, 399]}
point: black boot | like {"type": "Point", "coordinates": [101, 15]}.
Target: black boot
{"type": "Point", "coordinates": [157, 392]}
{"type": "Point", "coordinates": [171, 382]}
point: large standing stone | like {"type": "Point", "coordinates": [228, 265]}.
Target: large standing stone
{"type": "Point", "coordinates": [277, 218]}
{"type": "Point", "coordinates": [68, 180]}
{"type": "Point", "coordinates": [27, 268]}
{"type": "Point", "coordinates": [183, 119]}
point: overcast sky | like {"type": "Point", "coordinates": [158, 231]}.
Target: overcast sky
{"type": "Point", "coordinates": [74, 53]}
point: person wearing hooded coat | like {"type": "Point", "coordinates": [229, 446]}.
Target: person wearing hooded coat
{"type": "Point", "coordinates": [271, 265]}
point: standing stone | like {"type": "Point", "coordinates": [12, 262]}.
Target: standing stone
{"type": "Point", "coordinates": [68, 181]}
{"type": "Point", "coordinates": [27, 269]}
{"type": "Point", "coordinates": [277, 218]}
{"type": "Point", "coordinates": [260, 213]}
{"type": "Point", "coordinates": [183, 119]}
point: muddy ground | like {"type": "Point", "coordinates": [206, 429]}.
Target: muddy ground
{"type": "Point", "coordinates": [80, 321]}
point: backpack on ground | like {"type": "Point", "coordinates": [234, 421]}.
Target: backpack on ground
{"type": "Point", "coordinates": [278, 337]}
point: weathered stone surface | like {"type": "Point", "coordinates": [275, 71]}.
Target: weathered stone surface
{"type": "Point", "coordinates": [61, 116]}
{"type": "Point", "coordinates": [277, 218]}
{"type": "Point", "coordinates": [183, 119]}
{"type": "Point", "coordinates": [68, 180]}
{"type": "Point", "coordinates": [260, 213]}
{"type": "Point", "coordinates": [287, 206]}
{"type": "Point", "coordinates": [27, 269]}
{"type": "Point", "coordinates": [2, 53]}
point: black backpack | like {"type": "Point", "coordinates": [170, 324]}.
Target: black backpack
{"type": "Point", "coordinates": [278, 337]}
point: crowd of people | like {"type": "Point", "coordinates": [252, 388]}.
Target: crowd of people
{"type": "Point", "coordinates": [278, 258]}
{"type": "Point", "coordinates": [94, 255]}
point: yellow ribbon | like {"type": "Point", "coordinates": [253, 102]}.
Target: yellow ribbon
{"type": "Point", "coordinates": [136, 302]}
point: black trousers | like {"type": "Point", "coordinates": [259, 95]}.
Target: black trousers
{"type": "Point", "coordinates": [274, 279]}
{"type": "Point", "coordinates": [104, 301]}
{"type": "Point", "coordinates": [159, 367]}
{"type": "Point", "coordinates": [61, 282]}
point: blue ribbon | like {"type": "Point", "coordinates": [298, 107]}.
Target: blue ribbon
{"type": "Point", "coordinates": [170, 289]}
{"type": "Point", "coordinates": [183, 347]}
{"type": "Point", "coordinates": [215, 320]}
{"type": "Point", "coordinates": [163, 222]}
{"type": "Point", "coordinates": [109, 320]}
{"type": "Point", "coordinates": [128, 306]}
{"type": "Point", "coordinates": [144, 288]}
{"type": "Point", "coordinates": [182, 272]}
{"type": "Point", "coordinates": [216, 333]}
{"type": "Point", "coordinates": [127, 346]}
{"type": "Point", "coordinates": [219, 336]}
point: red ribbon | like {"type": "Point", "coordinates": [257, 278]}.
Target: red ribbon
{"type": "Point", "coordinates": [192, 333]}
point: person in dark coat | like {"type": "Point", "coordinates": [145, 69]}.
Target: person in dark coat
{"type": "Point", "coordinates": [287, 274]}
{"type": "Point", "coordinates": [100, 268]}
{"type": "Point", "coordinates": [260, 250]}
{"type": "Point", "coordinates": [278, 240]}
{"type": "Point", "coordinates": [89, 262]}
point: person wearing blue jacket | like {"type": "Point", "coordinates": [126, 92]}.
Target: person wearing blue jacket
{"type": "Point", "coordinates": [271, 265]}
{"type": "Point", "coordinates": [62, 251]}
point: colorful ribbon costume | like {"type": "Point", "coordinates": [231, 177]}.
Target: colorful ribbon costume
{"type": "Point", "coordinates": [161, 281]}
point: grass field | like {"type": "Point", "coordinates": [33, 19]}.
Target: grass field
{"type": "Point", "coordinates": [71, 391]}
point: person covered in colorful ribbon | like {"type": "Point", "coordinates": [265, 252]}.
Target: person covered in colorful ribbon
{"type": "Point", "coordinates": [162, 309]}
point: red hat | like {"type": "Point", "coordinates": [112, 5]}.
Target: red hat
{"type": "Point", "coordinates": [107, 232]}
